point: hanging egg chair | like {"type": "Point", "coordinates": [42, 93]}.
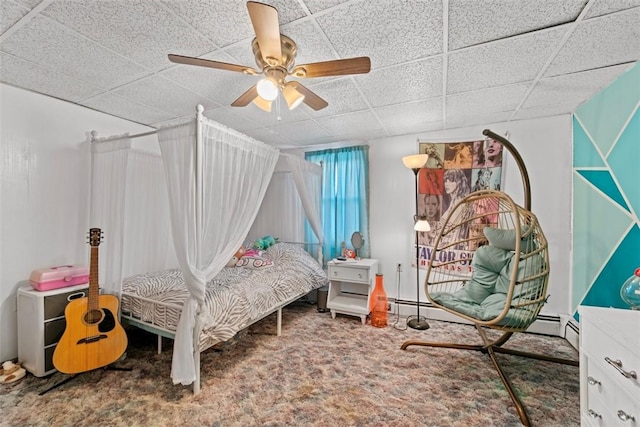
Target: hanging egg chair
{"type": "Point", "coordinates": [504, 286]}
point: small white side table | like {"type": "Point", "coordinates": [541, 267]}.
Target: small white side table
{"type": "Point", "coordinates": [350, 287]}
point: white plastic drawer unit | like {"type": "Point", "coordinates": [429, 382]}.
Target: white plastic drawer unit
{"type": "Point", "coordinates": [350, 287]}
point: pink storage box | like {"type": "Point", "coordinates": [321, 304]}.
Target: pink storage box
{"type": "Point", "coordinates": [46, 279]}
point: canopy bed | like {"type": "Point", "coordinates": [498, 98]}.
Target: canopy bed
{"type": "Point", "coordinates": [216, 180]}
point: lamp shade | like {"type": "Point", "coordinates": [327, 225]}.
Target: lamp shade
{"type": "Point", "coordinates": [292, 96]}
{"type": "Point", "coordinates": [262, 103]}
{"type": "Point", "coordinates": [267, 89]}
{"type": "Point", "coordinates": [415, 161]}
{"type": "Point", "coordinates": [422, 225]}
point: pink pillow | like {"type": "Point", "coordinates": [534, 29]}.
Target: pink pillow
{"type": "Point", "coordinates": [254, 262]}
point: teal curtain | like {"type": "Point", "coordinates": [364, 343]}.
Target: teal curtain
{"type": "Point", "coordinates": [345, 198]}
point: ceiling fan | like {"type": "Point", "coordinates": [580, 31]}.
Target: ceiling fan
{"type": "Point", "coordinates": [275, 55]}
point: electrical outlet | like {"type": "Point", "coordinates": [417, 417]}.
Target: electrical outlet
{"type": "Point", "coordinates": [389, 307]}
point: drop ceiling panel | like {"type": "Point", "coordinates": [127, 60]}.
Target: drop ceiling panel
{"type": "Point", "coordinates": [21, 73]}
{"type": "Point", "coordinates": [268, 136]}
{"type": "Point", "coordinates": [45, 42]}
{"type": "Point", "coordinates": [599, 42]}
{"type": "Point", "coordinates": [362, 125]}
{"type": "Point", "coordinates": [231, 117]}
{"type": "Point", "coordinates": [164, 95]}
{"type": "Point", "coordinates": [411, 117]}
{"type": "Point", "coordinates": [316, 6]}
{"type": "Point", "coordinates": [573, 88]}
{"type": "Point", "coordinates": [29, 3]}
{"type": "Point", "coordinates": [154, 29]}
{"type": "Point", "coordinates": [222, 85]}
{"type": "Point", "coordinates": [302, 132]}
{"type": "Point", "coordinates": [312, 46]}
{"type": "Point", "coordinates": [498, 99]}
{"type": "Point", "coordinates": [456, 121]}
{"type": "Point", "coordinates": [341, 94]}
{"type": "Point", "coordinates": [403, 83]}
{"type": "Point", "coordinates": [502, 62]}
{"type": "Point", "coordinates": [473, 22]}
{"type": "Point", "coordinates": [604, 7]}
{"type": "Point", "coordinates": [544, 111]}
{"type": "Point", "coordinates": [11, 13]}
{"type": "Point", "coordinates": [389, 32]}
{"type": "Point", "coordinates": [123, 107]}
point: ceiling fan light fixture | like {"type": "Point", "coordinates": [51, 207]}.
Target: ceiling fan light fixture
{"type": "Point", "coordinates": [263, 104]}
{"type": "Point", "coordinates": [292, 96]}
{"type": "Point", "coordinates": [267, 89]}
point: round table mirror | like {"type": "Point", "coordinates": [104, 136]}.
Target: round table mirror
{"type": "Point", "coordinates": [357, 241]}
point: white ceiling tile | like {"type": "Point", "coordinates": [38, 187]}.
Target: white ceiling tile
{"type": "Point", "coordinates": [403, 83]}
{"type": "Point", "coordinates": [311, 44]}
{"type": "Point", "coordinates": [472, 22]}
{"type": "Point", "coordinates": [28, 3]}
{"type": "Point", "coordinates": [226, 22]}
{"type": "Point", "coordinates": [221, 85]}
{"type": "Point", "coordinates": [231, 117]}
{"type": "Point", "coordinates": [125, 108]}
{"type": "Point", "coordinates": [164, 95]}
{"type": "Point", "coordinates": [341, 94]}
{"type": "Point", "coordinates": [406, 117]}
{"type": "Point", "coordinates": [27, 75]}
{"type": "Point", "coordinates": [491, 100]}
{"type": "Point", "coordinates": [316, 6]}
{"type": "Point", "coordinates": [572, 88]}
{"type": "Point", "coordinates": [44, 41]}
{"type": "Point", "coordinates": [389, 32]}
{"type": "Point", "coordinates": [156, 31]}
{"type": "Point", "coordinates": [598, 42]}
{"type": "Point", "coordinates": [544, 111]}
{"type": "Point", "coordinates": [502, 62]}
{"type": "Point", "coordinates": [242, 54]}
{"type": "Point", "coordinates": [485, 119]}
{"type": "Point", "coordinates": [362, 124]}
{"type": "Point", "coordinates": [268, 136]}
{"type": "Point", "coordinates": [306, 131]}
{"type": "Point", "coordinates": [11, 13]}
{"type": "Point", "coordinates": [604, 7]}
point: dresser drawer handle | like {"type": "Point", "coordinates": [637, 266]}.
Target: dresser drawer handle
{"type": "Point", "coordinates": [593, 381]}
{"type": "Point", "coordinates": [593, 414]}
{"type": "Point", "coordinates": [360, 275]}
{"type": "Point", "coordinates": [335, 273]}
{"type": "Point", "coordinates": [626, 417]}
{"type": "Point", "coordinates": [618, 365]}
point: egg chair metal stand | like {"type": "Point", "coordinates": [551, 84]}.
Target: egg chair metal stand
{"type": "Point", "coordinates": [505, 287]}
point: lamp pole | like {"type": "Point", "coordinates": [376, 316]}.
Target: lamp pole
{"type": "Point", "coordinates": [417, 322]}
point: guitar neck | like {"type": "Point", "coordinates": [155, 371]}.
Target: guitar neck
{"type": "Point", "coordinates": [94, 291]}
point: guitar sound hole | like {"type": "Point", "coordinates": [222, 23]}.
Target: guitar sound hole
{"type": "Point", "coordinates": [92, 317]}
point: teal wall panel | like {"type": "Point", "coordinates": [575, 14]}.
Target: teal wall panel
{"type": "Point", "coordinates": [606, 197]}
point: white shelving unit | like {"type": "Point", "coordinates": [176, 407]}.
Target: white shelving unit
{"type": "Point", "coordinates": [350, 287]}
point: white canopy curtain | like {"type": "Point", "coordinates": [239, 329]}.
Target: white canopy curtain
{"type": "Point", "coordinates": [109, 159]}
{"type": "Point", "coordinates": [129, 203]}
{"type": "Point", "coordinates": [295, 188]}
{"type": "Point", "coordinates": [216, 179]}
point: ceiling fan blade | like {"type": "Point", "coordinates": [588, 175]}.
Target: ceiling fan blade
{"type": "Point", "coordinates": [310, 98]}
{"type": "Point", "coordinates": [244, 99]}
{"type": "Point", "coordinates": [338, 67]}
{"type": "Point", "coordinates": [265, 24]}
{"type": "Point", "coordinates": [189, 60]}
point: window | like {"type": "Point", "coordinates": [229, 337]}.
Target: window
{"type": "Point", "coordinates": [345, 197]}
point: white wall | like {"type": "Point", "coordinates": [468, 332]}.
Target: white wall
{"type": "Point", "coordinates": [44, 183]}
{"type": "Point", "coordinates": [545, 146]}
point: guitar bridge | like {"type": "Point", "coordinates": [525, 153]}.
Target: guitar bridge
{"type": "Point", "coordinates": [94, 338]}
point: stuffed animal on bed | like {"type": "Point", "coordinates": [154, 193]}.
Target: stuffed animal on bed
{"type": "Point", "coordinates": [265, 242]}
{"type": "Point", "coordinates": [234, 260]}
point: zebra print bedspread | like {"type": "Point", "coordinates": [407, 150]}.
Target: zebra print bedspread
{"type": "Point", "coordinates": [235, 298]}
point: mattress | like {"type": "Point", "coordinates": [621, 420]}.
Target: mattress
{"type": "Point", "coordinates": [234, 299]}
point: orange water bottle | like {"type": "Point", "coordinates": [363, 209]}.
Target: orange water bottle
{"type": "Point", "coordinates": [378, 304]}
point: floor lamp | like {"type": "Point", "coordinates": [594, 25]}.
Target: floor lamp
{"type": "Point", "coordinates": [415, 163]}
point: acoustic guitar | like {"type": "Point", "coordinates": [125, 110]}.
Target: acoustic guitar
{"type": "Point", "coordinates": [93, 337]}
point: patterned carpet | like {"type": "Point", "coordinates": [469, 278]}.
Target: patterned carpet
{"type": "Point", "coordinates": [320, 372]}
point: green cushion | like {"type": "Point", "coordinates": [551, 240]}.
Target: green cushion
{"type": "Point", "coordinates": [506, 239]}
{"type": "Point", "coordinates": [487, 263]}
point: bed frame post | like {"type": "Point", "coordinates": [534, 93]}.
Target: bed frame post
{"type": "Point", "coordinates": [279, 322]}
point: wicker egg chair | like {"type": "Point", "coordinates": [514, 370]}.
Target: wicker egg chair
{"type": "Point", "coordinates": [505, 285]}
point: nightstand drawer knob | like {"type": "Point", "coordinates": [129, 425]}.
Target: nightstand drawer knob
{"type": "Point", "coordinates": [618, 365]}
{"type": "Point", "coordinates": [360, 275]}
{"type": "Point", "coordinates": [625, 417]}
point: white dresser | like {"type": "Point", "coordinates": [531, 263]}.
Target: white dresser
{"type": "Point", "coordinates": [609, 367]}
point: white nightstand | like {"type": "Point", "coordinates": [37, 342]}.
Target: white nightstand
{"type": "Point", "coordinates": [350, 287]}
